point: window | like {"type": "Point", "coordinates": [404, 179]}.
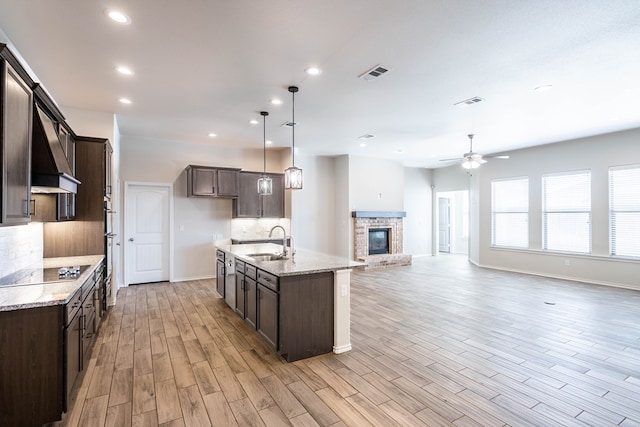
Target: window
{"type": "Point", "coordinates": [624, 211]}
{"type": "Point", "coordinates": [566, 212]}
{"type": "Point", "coordinates": [510, 212]}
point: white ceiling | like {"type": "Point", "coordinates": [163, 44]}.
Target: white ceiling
{"type": "Point", "coordinates": [211, 65]}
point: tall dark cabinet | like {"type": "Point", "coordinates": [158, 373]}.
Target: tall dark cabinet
{"type": "Point", "coordinates": [16, 103]}
{"type": "Point", "coordinates": [90, 233]}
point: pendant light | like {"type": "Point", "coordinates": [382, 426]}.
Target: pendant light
{"type": "Point", "coordinates": [293, 175]}
{"type": "Point", "coordinates": [264, 183]}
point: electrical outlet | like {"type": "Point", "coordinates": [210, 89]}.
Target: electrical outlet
{"type": "Point", "coordinates": [567, 262]}
{"type": "Point", "coordinates": [181, 227]}
{"type": "Point", "coordinates": [345, 290]}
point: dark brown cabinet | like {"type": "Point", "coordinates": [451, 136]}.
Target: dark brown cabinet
{"type": "Point", "coordinates": [72, 344]}
{"type": "Point", "coordinates": [204, 181]}
{"type": "Point", "coordinates": [31, 361]}
{"type": "Point", "coordinates": [108, 170]}
{"type": "Point", "coordinates": [250, 288]}
{"type": "Point", "coordinates": [267, 307]}
{"type": "Point", "coordinates": [250, 204]}
{"type": "Point", "coordinates": [16, 103]}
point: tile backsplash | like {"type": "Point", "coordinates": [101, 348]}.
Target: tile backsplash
{"type": "Point", "coordinates": [20, 246]}
{"type": "Point", "coordinates": [257, 228]}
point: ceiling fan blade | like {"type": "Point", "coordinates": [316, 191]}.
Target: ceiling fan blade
{"type": "Point", "coordinates": [450, 160]}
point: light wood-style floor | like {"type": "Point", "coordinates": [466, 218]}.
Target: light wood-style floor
{"type": "Point", "coordinates": [439, 343]}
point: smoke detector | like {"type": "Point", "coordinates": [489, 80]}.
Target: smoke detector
{"type": "Point", "coordinates": [470, 101]}
{"type": "Point", "coordinates": [373, 73]}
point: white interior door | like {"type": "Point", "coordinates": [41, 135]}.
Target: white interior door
{"type": "Point", "coordinates": [444, 225]}
{"type": "Point", "coordinates": [147, 215]}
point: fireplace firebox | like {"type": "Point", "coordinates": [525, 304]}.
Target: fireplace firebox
{"type": "Point", "coordinates": [378, 241]}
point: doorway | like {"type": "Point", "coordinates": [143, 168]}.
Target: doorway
{"type": "Point", "coordinates": [453, 222]}
{"type": "Point", "coordinates": [147, 242]}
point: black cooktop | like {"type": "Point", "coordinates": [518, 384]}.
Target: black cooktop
{"type": "Point", "coordinates": [30, 276]}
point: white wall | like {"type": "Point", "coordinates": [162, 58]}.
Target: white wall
{"type": "Point", "coordinates": [313, 208]}
{"type": "Point", "coordinates": [375, 184]}
{"type": "Point", "coordinates": [343, 234]}
{"type": "Point", "coordinates": [597, 154]}
{"type": "Point", "coordinates": [157, 161]}
{"type": "Point", "coordinates": [418, 233]}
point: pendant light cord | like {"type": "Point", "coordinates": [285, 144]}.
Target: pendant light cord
{"type": "Point", "coordinates": [293, 128]}
{"type": "Point", "coordinates": [264, 144]}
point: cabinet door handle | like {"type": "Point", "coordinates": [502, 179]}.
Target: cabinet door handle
{"type": "Point", "coordinates": [242, 285]}
{"type": "Point", "coordinates": [32, 212]}
{"type": "Point", "coordinates": [258, 296]}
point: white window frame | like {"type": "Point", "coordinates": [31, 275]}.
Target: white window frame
{"type": "Point", "coordinates": [515, 213]}
{"type": "Point", "coordinates": [557, 214]}
{"type": "Point", "coordinates": [625, 202]}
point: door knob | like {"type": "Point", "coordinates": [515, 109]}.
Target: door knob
{"type": "Point", "coordinates": [131, 239]}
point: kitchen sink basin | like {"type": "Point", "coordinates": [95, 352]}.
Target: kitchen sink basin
{"type": "Point", "coordinates": [267, 257]}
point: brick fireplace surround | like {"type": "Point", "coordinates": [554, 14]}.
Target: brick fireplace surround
{"type": "Point", "coordinates": [363, 221]}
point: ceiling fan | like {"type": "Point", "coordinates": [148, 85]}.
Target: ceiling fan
{"type": "Point", "coordinates": [472, 160]}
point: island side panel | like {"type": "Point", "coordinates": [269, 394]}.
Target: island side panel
{"type": "Point", "coordinates": [306, 315]}
{"type": "Point", "coordinates": [342, 311]}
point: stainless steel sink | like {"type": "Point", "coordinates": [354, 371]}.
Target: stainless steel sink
{"type": "Point", "coordinates": [267, 257]}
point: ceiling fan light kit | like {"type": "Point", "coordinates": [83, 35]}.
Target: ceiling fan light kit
{"type": "Point", "coordinates": [472, 160]}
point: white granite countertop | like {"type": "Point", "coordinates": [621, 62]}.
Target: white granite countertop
{"type": "Point", "coordinates": [52, 293]}
{"type": "Point", "coordinates": [304, 262]}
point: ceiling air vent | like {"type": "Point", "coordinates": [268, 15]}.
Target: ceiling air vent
{"type": "Point", "coordinates": [470, 101]}
{"type": "Point", "coordinates": [373, 73]}
{"type": "Point", "coordinates": [288, 124]}
{"type": "Point", "coordinates": [366, 136]}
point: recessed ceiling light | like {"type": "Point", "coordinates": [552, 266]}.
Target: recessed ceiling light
{"type": "Point", "coordinates": [269, 142]}
{"type": "Point", "coordinates": [118, 16]}
{"type": "Point", "coordinates": [313, 71]}
{"type": "Point", "coordinates": [542, 88]}
{"type": "Point", "coordinates": [362, 144]}
{"type": "Point", "coordinates": [276, 101]}
{"type": "Point", "coordinates": [126, 71]}
{"type": "Point", "coordinates": [125, 100]}
{"type": "Point", "coordinates": [400, 151]}
{"type": "Point", "coordinates": [212, 135]}
{"type": "Point", "coordinates": [253, 122]}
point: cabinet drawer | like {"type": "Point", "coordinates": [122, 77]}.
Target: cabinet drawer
{"type": "Point", "coordinates": [73, 306]}
{"type": "Point", "coordinates": [268, 280]}
{"type": "Point", "coordinates": [251, 271]}
{"type": "Point", "coordinates": [220, 255]}
{"type": "Point", "coordinates": [239, 266]}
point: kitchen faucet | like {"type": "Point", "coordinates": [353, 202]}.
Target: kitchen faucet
{"type": "Point", "coordinates": [284, 238]}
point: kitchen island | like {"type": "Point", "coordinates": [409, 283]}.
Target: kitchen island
{"type": "Point", "coordinates": [299, 305]}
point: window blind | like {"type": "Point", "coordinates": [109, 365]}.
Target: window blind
{"type": "Point", "coordinates": [624, 211]}
{"type": "Point", "coordinates": [510, 212]}
{"type": "Point", "coordinates": [566, 204]}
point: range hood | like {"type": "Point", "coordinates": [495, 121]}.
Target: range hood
{"type": "Point", "coordinates": [50, 170]}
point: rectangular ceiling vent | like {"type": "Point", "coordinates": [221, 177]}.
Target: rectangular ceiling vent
{"type": "Point", "coordinates": [374, 73]}
{"type": "Point", "coordinates": [289, 124]}
{"type": "Point", "coordinates": [470, 101]}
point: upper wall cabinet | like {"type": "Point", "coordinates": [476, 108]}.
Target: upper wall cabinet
{"type": "Point", "coordinates": [206, 181]}
{"type": "Point", "coordinates": [250, 204]}
{"type": "Point", "coordinates": [16, 101]}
